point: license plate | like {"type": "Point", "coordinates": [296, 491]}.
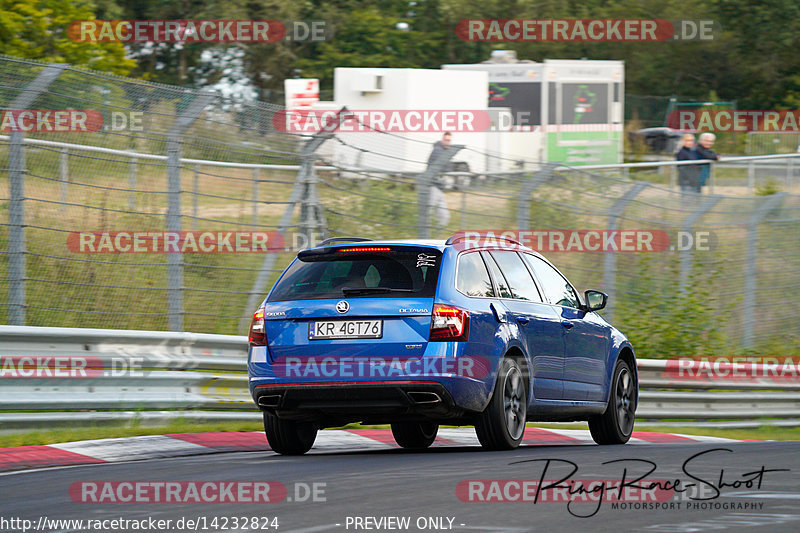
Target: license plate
{"type": "Point", "coordinates": [345, 329]}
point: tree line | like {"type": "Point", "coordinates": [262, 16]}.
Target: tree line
{"type": "Point", "coordinates": [752, 59]}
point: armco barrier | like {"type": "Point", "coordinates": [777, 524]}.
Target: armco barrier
{"type": "Point", "coordinates": [157, 376]}
{"type": "Point", "coordinates": [719, 394]}
{"type": "Point", "coordinates": [144, 375]}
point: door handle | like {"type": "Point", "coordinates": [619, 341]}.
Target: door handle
{"type": "Point", "coordinates": [567, 324]}
{"type": "Point", "coordinates": [523, 320]}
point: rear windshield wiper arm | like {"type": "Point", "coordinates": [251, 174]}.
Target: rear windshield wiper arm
{"type": "Point", "coordinates": [372, 290]}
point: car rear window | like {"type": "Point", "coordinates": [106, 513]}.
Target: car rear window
{"type": "Point", "coordinates": [348, 272]}
{"type": "Point", "coordinates": [472, 278]}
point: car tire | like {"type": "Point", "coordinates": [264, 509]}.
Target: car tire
{"type": "Point", "coordinates": [289, 437]}
{"type": "Point", "coordinates": [616, 424]}
{"type": "Point", "coordinates": [501, 425]}
{"type": "Point", "coordinates": [414, 435]}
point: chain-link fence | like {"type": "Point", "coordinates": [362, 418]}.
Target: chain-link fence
{"type": "Point", "coordinates": [772, 142]}
{"type": "Point", "coordinates": [131, 170]}
{"type": "Point", "coordinates": [708, 273]}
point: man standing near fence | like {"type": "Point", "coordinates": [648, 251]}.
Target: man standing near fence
{"type": "Point", "coordinates": [704, 151]}
{"type": "Point", "coordinates": [438, 204]}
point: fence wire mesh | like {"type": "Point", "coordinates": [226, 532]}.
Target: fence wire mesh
{"type": "Point", "coordinates": [202, 162]}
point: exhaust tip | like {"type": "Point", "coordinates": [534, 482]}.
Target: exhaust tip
{"type": "Point", "coordinates": [424, 397]}
{"type": "Point", "coordinates": [269, 400]}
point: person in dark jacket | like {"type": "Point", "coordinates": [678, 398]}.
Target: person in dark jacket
{"type": "Point", "coordinates": [437, 199]}
{"type": "Point", "coordinates": [688, 175]}
{"type": "Point", "coordinates": [704, 151]}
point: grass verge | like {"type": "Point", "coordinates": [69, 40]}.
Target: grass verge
{"type": "Point", "coordinates": [108, 431]}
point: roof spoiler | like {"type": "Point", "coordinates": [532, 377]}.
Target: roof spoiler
{"type": "Point", "coordinates": [342, 239]}
{"type": "Point", "coordinates": [461, 236]}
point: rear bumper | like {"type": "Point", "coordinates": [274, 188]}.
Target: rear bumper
{"type": "Point", "coordinates": [378, 402]}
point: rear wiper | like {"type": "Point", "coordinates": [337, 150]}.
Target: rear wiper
{"type": "Point", "coordinates": [372, 290]}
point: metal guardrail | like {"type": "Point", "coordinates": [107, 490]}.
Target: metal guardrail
{"type": "Point", "coordinates": [111, 375]}
{"type": "Point", "coordinates": [738, 161]}
{"type": "Point", "coordinates": [154, 377]}
{"type": "Point", "coordinates": [130, 154]}
{"type": "Point", "coordinates": [718, 394]}
{"type": "Point", "coordinates": [757, 168]}
{"type": "Point", "coordinates": [673, 162]}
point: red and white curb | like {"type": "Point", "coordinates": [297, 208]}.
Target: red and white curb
{"type": "Point", "coordinates": [179, 444]}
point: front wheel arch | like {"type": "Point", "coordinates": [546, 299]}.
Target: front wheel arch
{"type": "Point", "coordinates": [615, 425]}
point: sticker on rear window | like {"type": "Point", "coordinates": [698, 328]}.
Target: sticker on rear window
{"type": "Point", "coordinates": [425, 260]}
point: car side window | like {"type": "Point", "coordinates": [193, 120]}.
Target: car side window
{"type": "Point", "coordinates": [499, 279]}
{"type": "Point", "coordinates": [472, 278]}
{"type": "Point", "coordinates": [519, 279]}
{"type": "Point", "coordinates": [555, 286]}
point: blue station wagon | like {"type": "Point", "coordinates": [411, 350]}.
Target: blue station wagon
{"type": "Point", "coordinates": [419, 333]}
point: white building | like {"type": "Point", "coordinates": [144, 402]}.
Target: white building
{"type": "Point", "coordinates": [402, 90]}
{"type": "Point", "coordinates": [569, 111]}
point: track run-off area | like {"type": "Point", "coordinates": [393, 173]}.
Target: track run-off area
{"type": "Point", "coordinates": [359, 480]}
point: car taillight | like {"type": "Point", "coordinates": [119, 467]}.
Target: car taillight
{"type": "Point", "coordinates": [258, 334]}
{"type": "Point", "coordinates": [449, 323]}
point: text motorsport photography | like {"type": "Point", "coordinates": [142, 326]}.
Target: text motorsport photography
{"type": "Point", "coordinates": [635, 485]}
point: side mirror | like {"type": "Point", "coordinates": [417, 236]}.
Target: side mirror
{"type": "Point", "coordinates": [595, 300]}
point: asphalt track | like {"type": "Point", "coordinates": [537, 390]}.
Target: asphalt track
{"type": "Point", "coordinates": [358, 488]}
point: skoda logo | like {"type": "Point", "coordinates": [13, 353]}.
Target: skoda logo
{"type": "Point", "coordinates": [342, 306]}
